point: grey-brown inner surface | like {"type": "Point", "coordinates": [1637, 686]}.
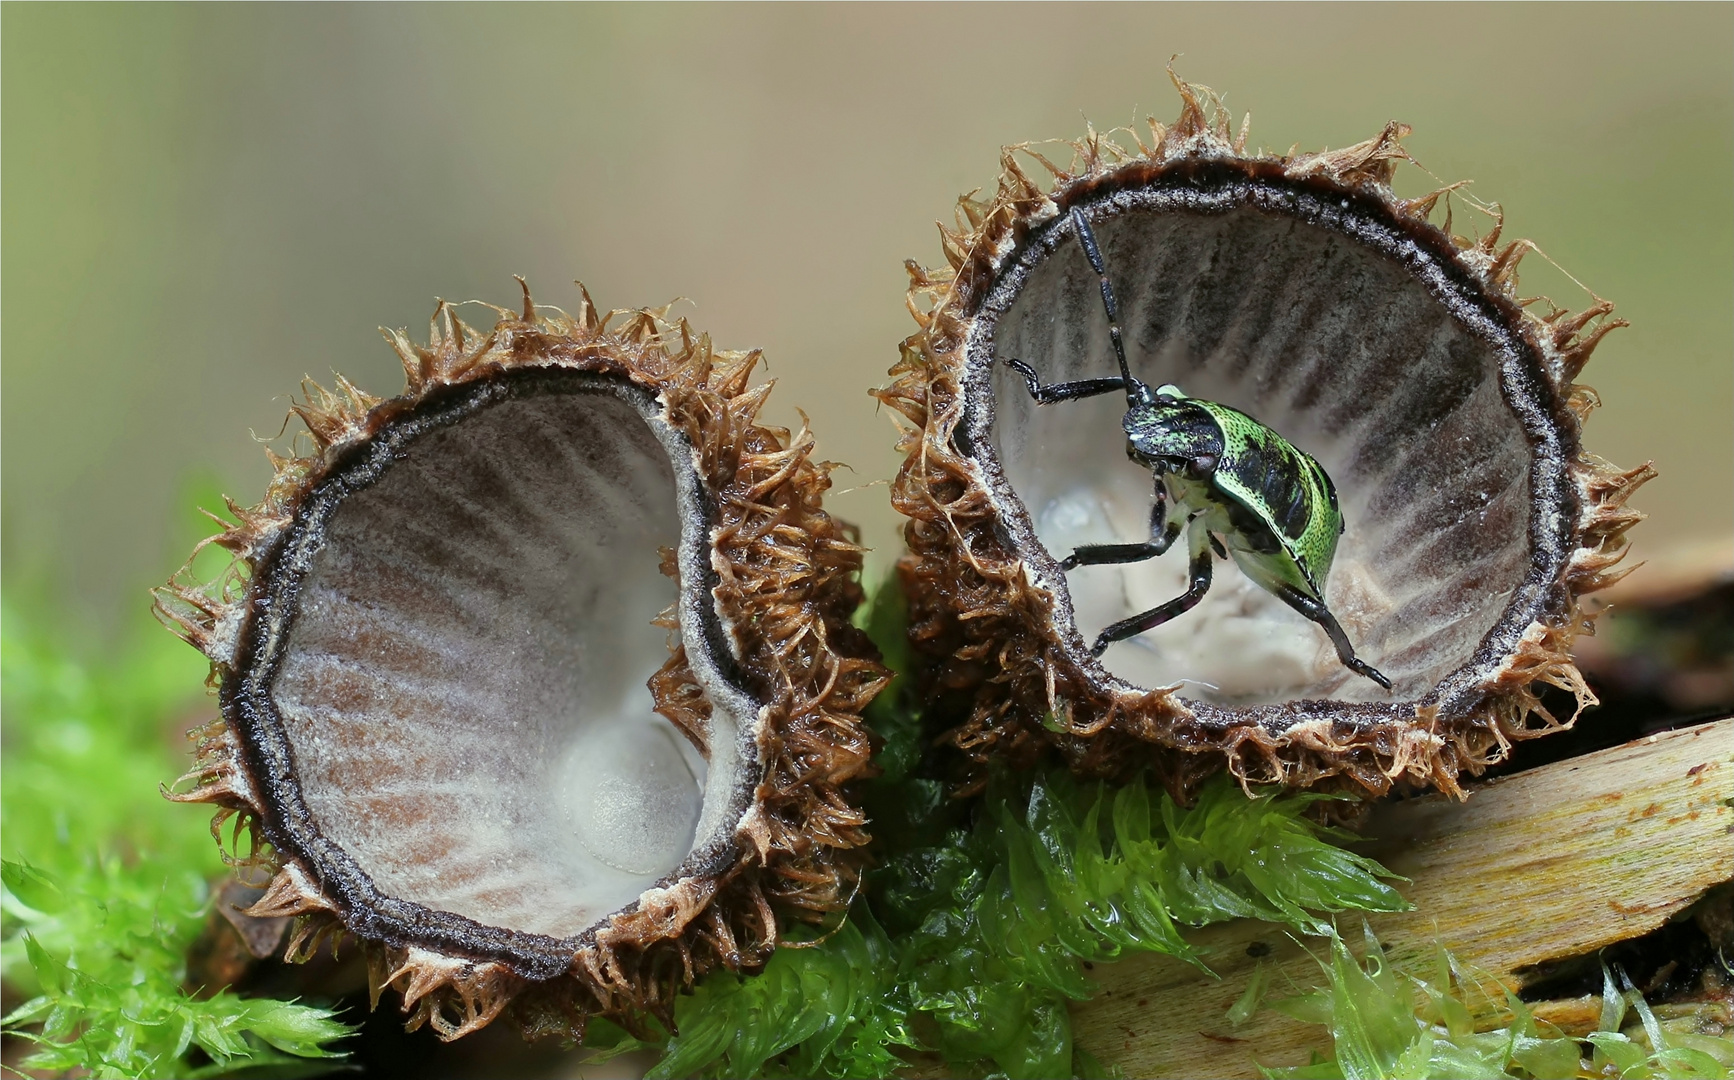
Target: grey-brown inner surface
{"type": "Point", "coordinates": [463, 689]}
{"type": "Point", "coordinates": [1338, 348]}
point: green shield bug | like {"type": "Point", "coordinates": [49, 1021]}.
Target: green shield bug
{"type": "Point", "coordinates": [1237, 487]}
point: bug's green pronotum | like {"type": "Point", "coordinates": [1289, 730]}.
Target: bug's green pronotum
{"type": "Point", "coordinates": [1242, 490]}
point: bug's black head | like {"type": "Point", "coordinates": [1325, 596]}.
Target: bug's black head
{"type": "Point", "coordinates": [1172, 434]}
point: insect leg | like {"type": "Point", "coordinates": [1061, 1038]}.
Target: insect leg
{"type": "Point", "coordinates": [1198, 540]}
{"type": "Point", "coordinates": [1317, 612]}
{"type": "Point", "coordinates": [1163, 533]}
{"type": "Point", "coordinates": [1069, 391]}
{"type": "Point", "coordinates": [1087, 240]}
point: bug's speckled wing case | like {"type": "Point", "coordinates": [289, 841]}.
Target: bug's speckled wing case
{"type": "Point", "coordinates": [1284, 488]}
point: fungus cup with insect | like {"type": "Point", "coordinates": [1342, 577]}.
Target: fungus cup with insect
{"type": "Point", "coordinates": [1396, 634]}
{"type": "Point", "coordinates": [1237, 485]}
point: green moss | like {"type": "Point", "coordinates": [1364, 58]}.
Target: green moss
{"type": "Point", "coordinates": [973, 931]}
{"type": "Point", "coordinates": [969, 940]}
{"type": "Point", "coordinates": [1385, 1025]}
{"type": "Point", "coordinates": [105, 883]}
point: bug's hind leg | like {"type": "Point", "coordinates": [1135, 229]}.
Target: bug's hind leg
{"type": "Point", "coordinates": [1317, 612]}
{"type": "Point", "coordinates": [1198, 540]}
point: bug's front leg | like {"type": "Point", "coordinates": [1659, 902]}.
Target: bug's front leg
{"type": "Point", "coordinates": [1317, 612]}
{"type": "Point", "coordinates": [1198, 541]}
{"type": "Point", "coordinates": [1163, 533]}
{"type": "Point", "coordinates": [1067, 391]}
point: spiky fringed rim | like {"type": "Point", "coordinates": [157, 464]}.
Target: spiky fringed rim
{"type": "Point", "coordinates": [997, 653]}
{"type": "Point", "coordinates": [786, 584]}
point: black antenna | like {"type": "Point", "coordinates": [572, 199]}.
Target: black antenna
{"type": "Point", "coordinates": [1087, 240]}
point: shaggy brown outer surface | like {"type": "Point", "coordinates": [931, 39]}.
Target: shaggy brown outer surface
{"type": "Point", "coordinates": [787, 585]}
{"type": "Point", "coordinates": [999, 659]}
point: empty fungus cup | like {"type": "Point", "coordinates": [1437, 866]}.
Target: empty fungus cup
{"type": "Point", "coordinates": [454, 722]}
{"type": "Point", "coordinates": [1302, 292]}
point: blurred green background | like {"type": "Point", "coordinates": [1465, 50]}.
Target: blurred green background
{"type": "Point", "coordinates": [203, 203]}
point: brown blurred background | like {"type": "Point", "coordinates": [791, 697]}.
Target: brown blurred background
{"type": "Point", "coordinates": [203, 203]}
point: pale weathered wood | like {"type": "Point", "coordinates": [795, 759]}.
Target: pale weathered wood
{"type": "Point", "coordinates": [1544, 865]}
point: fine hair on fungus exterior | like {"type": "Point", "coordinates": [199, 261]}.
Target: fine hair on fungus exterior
{"type": "Point", "coordinates": [1299, 290]}
{"type": "Point", "coordinates": [455, 724]}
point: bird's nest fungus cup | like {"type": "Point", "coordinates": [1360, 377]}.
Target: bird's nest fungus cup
{"type": "Point", "coordinates": [454, 723]}
{"type": "Point", "coordinates": [1301, 291]}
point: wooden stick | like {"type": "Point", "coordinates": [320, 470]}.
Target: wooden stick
{"type": "Point", "coordinates": [1544, 865]}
